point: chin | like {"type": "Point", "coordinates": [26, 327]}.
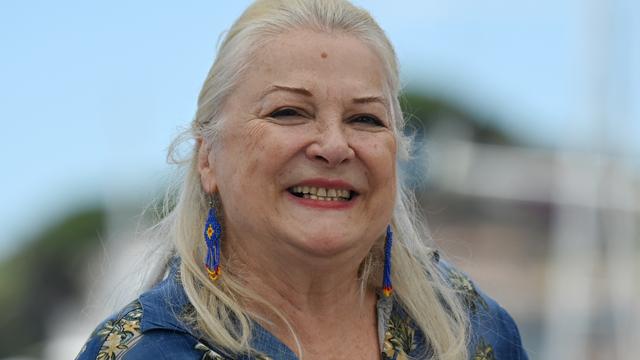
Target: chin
{"type": "Point", "coordinates": [327, 246]}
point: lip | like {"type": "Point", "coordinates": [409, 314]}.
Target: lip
{"type": "Point", "coordinates": [321, 204]}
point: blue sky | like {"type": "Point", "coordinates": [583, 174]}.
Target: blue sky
{"type": "Point", "coordinates": [91, 93]}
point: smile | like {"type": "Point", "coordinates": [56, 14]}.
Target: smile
{"type": "Point", "coordinates": [321, 193]}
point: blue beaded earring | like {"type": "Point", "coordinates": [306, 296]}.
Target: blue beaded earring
{"type": "Point", "coordinates": [387, 288]}
{"type": "Point", "coordinates": [212, 234]}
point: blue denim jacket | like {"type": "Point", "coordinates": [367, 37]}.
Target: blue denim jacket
{"type": "Point", "coordinates": [151, 328]}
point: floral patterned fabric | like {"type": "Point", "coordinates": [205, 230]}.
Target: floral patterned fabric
{"type": "Point", "coordinates": [399, 339]}
{"type": "Point", "coordinates": [119, 334]}
{"type": "Point", "coordinates": [150, 328]}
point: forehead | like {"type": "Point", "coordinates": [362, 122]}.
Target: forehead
{"type": "Point", "coordinates": [318, 61]}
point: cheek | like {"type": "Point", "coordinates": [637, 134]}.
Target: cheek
{"type": "Point", "coordinates": [257, 153]}
{"type": "Point", "coordinates": [241, 167]}
{"type": "Point", "coordinates": [242, 149]}
{"type": "Point", "coordinates": [379, 154]}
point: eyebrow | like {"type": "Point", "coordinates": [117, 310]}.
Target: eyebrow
{"type": "Point", "coordinates": [295, 90]}
{"type": "Point", "coordinates": [370, 99]}
{"type": "Point", "coordinates": [307, 93]}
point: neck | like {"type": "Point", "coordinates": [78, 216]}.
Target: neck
{"type": "Point", "coordinates": [314, 285]}
{"type": "Point", "coordinates": [317, 296]}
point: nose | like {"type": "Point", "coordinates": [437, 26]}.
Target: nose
{"type": "Point", "coordinates": [331, 146]}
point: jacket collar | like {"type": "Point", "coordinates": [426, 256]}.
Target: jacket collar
{"type": "Point", "coordinates": [164, 305]}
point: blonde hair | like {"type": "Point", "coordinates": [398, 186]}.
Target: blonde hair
{"type": "Point", "coordinates": [418, 284]}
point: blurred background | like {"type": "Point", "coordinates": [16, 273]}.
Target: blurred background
{"type": "Point", "coordinates": [526, 117]}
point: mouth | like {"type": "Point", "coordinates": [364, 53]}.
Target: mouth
{"type": "Point", "coordinates": [322, 193]}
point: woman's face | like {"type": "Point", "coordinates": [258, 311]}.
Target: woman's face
{"type": "Point", "coordinates": [306, 155]}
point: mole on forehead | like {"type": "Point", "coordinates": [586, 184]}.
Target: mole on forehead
{"type": "Point", "coordinates": [323, 55]}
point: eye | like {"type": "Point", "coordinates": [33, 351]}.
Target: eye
{"type": "Point", "coordinates": [284, 112]}
{"type": "Point", "coordinates": [367, 120]}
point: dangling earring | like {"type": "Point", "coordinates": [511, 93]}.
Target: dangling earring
{"type": "Point", "coordinates": [387, 289]}
{"type": "Point", "coordinates": [212, 234]}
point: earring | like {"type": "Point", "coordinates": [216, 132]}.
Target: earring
{"type": "Point", "coordinates": [387, 289]}
{"type": "Point", "coordinates": [212, 234]}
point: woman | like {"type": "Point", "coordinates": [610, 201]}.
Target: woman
{"type": "Point", "coordinates": [310, 245]}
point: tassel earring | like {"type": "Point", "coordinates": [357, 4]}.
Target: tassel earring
{"type": "Point", "coordinates": [212, 234]}
{"type": "Point", "coordinates": [387, 288]}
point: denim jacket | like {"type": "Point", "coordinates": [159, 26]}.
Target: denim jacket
{"type": "Point", "coordinates": [151, 328]}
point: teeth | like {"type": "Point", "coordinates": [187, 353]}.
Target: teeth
{"type": "Point", "coordinates": [319, 193]}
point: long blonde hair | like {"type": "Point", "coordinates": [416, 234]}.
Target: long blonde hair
{"type": "Point", "coordinates": [418, 284]}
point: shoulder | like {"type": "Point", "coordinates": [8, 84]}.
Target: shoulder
{"type": "Point", "coordinates": [123, 336]}
{"type": "Point", "coordinates": [494, 334]}
{"type": "Point", "coordinates": [150, 327]}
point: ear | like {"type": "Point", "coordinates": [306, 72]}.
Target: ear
{"type": "Point", "coordinates": [205, 166]}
